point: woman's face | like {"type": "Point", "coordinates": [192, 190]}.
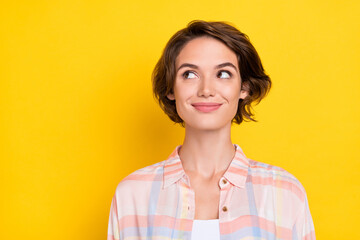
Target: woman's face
{"type": "Point", "coordinates": [207, 84]}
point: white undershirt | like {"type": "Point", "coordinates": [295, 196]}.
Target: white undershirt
{"type": "Point", "coordinates": [205, 229]}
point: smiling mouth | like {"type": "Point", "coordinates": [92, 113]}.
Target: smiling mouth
{"type": "Point", "coordinates": [206, 107]}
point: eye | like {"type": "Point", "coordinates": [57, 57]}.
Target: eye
{"type": "Point", "coordinates": [224, 74]}
{"type": "Point", "coordinates": [189, 75]}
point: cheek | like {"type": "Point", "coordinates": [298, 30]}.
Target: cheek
{"type": "Point", "coordinates": [183, 92]}
{"type": "Point", "coordinates": [231, 93]}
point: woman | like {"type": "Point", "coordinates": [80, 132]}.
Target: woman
{"type": "Point", "coordinates": [206, 79]}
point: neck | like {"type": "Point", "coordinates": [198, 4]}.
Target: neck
{"type": "Point", "coordinates": [206, 152]}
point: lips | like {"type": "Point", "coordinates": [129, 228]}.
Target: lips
{"type": "Point", "coordinates": [206, 107]}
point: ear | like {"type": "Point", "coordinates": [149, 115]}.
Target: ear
{"type": "Point", "coordinates": [244, 92]}
{"type": "Point", "coordinates": [171, 96]}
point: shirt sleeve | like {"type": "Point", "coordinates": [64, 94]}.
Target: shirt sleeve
{"type": "Point", "coordinates": [113, 226]}
{"type": "Point", "coordinates": [304, 227]}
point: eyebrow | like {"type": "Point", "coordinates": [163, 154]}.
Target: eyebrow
{"type": "Point", "coordinates": [226, 64]}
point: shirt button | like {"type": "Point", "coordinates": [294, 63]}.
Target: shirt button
{"type": "Point", "coordinates": [224, 181]}
{"type": "Point", "coordinates": [224, 209]}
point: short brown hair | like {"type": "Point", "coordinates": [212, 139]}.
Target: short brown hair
{"type": "Point", "coordinates": [254, 79]}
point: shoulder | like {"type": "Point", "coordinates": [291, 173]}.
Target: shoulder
{"type": "Point", "coordinates": [141, 179]}
{"type": "Point", "coordinates": [277, 178]}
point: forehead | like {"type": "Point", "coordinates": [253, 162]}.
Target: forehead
{"type": "Point", "coordinates": [205, 51]}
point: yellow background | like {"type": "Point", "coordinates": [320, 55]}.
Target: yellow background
{"type": "Point", "coordinates": [77, 113]}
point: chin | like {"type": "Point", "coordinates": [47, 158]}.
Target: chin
{"type": "Point", "coordinates": [207, 124]}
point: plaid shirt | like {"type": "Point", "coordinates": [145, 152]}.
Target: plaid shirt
{"type": "Point", "coordinates": [257, 201]}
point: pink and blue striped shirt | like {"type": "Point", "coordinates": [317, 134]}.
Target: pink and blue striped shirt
{"type": "Point", "coordinates": [257, 201]}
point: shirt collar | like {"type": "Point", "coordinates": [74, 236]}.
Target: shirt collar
{"type": "Point", "coordinates": [236, 173]}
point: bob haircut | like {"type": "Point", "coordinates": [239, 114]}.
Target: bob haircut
{"type": "Point", "coordinates": [253, 76]}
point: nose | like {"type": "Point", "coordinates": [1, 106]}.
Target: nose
{"type": "Point", "coordinates": [206, 88]}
